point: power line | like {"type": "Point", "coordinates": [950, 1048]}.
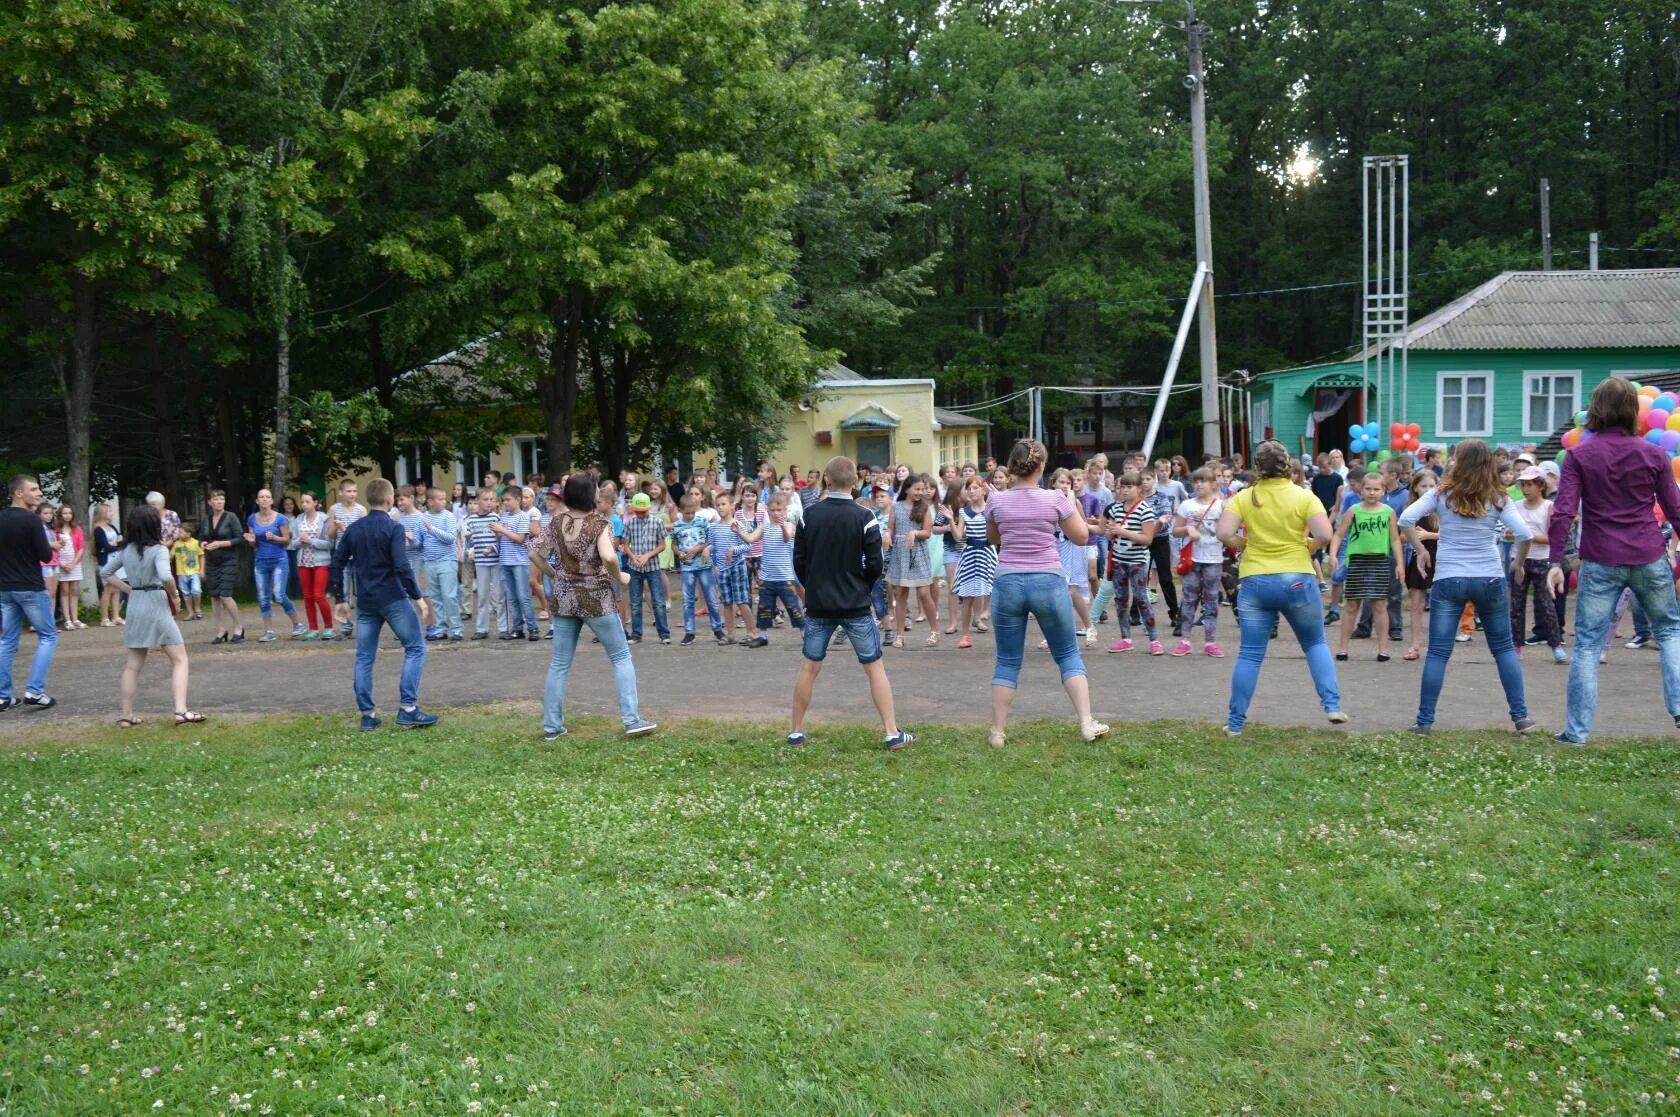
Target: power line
{"type": "Point", "coordinates": [1159, 300]}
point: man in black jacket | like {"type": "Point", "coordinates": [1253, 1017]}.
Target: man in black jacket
{"type": "Point", "coordinates": [23, 594]}
{"type": "Point", "coordinates": [837, 558]}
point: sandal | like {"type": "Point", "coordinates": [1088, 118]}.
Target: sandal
{"type": "Point", "coordinates": [952, 631]}
{"type": "Point", "coordinates": [981, 626]}
{"type": "Point", "coordinates": [1412, 653]}
{"type": "Point", "coordinates": [965, 642]}
{"type": "Point", "coordinates": [995, 738]}
{"type": "Point", "coordinates": [932, 641]}
{"type": "Point", "coordinates": [898, 641]}
{"type": "Point", "coordinates": [189, 717]}
{"type": "Point", "coordinates": [130, 723]}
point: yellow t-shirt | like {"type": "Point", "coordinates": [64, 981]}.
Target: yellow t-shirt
{"type": "Point", "coordinates": [187, 554]}
{"type": "Point", "coordinates": [1277, 530]}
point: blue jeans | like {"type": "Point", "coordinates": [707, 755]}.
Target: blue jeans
{"type": "Point", "coordinates": [1045, 596]}
{"type": "Point", "coordinates": [653, 581]}
{"type": "Point", "coordinates": [701, 581]}
{"type": "Point", "coordinates": [1447, 598]}
{"type": "Point", "coordinates": [771, 594]}
{"type": "Point", "coordinates": [271, 587]}
{"type": "Point", "coordinates": [405, 626]}
{"type": "Point", "coordinates": [1597, 589]}
{"type": "Point", "coordinates": [1294, 597]}
{"type": "Point", "coordinates": [610, 631]}
{"type": "Point", "coordinates": [863, 632]}
{"type": "Point", "coordinates": [15, 606]}
{"type": "Point", "coordinates": [517, 579]}
{"type": "Point", "coordinates": [878, 595]}
{"type": "Point", "coordinates": [443, 590]}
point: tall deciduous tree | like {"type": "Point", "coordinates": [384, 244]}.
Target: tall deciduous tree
{"type": "Point", "coordinates": [103, 170]}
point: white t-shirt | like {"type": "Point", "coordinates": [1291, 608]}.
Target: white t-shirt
{"type": "Point", "coordinates": [1203, 520]}
{"type": "Point", "coordinates": [1537, 520]}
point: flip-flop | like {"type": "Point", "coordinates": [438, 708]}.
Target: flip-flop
{"type": "Point", "coordinates": [965, 642]}
{"type": "Point", "coordinates": [1412, 653]}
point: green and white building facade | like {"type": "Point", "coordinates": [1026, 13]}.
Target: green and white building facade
{"type": "Point", "coordinates": [1510, 362]}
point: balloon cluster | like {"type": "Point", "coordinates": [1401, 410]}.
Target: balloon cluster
{"type": "Point", "coordinates": [1404, 436]}
{"type": "Point", "coordinates": [1362, 439]}
{"type": "Point", "coordinates": [1659, 421]}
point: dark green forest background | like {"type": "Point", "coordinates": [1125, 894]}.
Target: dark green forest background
{"type": "Point", "coordinates": [220, 223]}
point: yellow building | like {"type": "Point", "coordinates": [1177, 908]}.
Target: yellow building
{"type": "Point", "coordinates": [878, 423]}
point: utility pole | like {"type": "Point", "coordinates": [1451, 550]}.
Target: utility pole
{"type": "Point", "coordinates": [1545, 224]}
{"type": "Point", "coordinates": [1196, 82]}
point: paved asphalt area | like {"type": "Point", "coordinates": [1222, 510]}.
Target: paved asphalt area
{"type": "Point", "coordinates": [930, 685]}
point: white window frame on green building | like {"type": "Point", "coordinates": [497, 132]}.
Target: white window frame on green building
{"type": "Point", "coordinates": [1464, 376]}
{"type": "Point", "coordinates": [1533, 393]}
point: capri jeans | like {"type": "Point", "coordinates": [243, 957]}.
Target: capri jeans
{"type": "Point", "coordinates": [1045, 597]}
{"type": "Point", "coordinates": [271, 587]}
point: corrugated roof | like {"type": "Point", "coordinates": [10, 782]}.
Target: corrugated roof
{"type": "Point", "coordinates": [1629, 309]}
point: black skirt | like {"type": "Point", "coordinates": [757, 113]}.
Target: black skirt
{"type": "Point", "coordinates": [1416, 581]}
{"type": "Point", "coordinates": [220, 575]}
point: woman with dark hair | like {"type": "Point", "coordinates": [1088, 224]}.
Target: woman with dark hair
{"type": "Point", "coordinates": [578, 552]}
{"type": "Point", "coordinates": [140, 568]}
{"type": "Point", "coordinates": [222, 532]}
{"type": "Point", "coordinates": [1613, 479]}
{"type": "Point", "coordinates": [1472, 510]}
{"type": "Point", "coordinates": [294, 588]}
{"type": "Point", "coordinates": [1277, 526]}
{"type": "Point", "coordinates": [1022, 523]}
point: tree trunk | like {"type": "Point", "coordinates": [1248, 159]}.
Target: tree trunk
{"type": "Point", "coordinates": [76, 383]}
{"type": "Point", "coordinates": [624, 373]}
{"type": "Point", "coordinates": [557, 387]}
{"type": "Point", "coordinates": [227, 421]}
{"type": "Point", "coordinates": [162, 429]}
{"type": "Point", "coordinates": [282, 412]}
{"type": "Point", "coordinates": [385, 391]}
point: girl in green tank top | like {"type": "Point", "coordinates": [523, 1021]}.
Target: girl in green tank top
{"type": "Point", "coordinates": [1372, 557]}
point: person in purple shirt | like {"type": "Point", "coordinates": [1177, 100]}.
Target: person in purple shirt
{"type": "Point", "coordinates": [1613, 478]}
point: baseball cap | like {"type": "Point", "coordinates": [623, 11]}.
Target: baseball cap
{"type": "Point", "coordinates": [555, 491]}
{"type": "Point", "coordinates": [1525, 456]}
{"type": "Point", "coordinates": [1550, 469]}
{"type": "Point", "coordinates": [641, 502]}
{"type": "Point", "coordinates": [1532, 473]}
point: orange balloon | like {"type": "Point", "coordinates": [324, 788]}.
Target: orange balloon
{"type": "Point", "coordinates": [1674, 464]}
{"type": "Point", "coordinates": [1650, 391]}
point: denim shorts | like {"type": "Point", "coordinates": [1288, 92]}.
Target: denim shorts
{"type": "Point", "coordinates": [861, 631]}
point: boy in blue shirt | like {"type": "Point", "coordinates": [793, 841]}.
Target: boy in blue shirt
{"type": "Point", "coordinates": [512, 528]}
{"type": "Point", "coordinates": [730, 548]}
{"type": "Point", "coordinates": [691, 541]}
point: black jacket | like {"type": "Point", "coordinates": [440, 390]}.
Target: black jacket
{"type": "Point", "coordinates": [837, 557]}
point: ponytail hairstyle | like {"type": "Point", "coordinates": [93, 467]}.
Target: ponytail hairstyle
{"type": "Point", "coordinates": [1271, 461]}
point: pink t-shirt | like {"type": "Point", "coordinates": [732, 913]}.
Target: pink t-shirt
{"type": "Point", "coordinates": [1027, 520]}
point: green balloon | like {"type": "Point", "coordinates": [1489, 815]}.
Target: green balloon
{"type": "Point", "coordinates": [1561, 455]}
{"type": "Point", "coordinates": [1384, 455]}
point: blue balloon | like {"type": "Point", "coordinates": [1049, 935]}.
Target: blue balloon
{"type": "Point", "coordinates": [1654, 437]}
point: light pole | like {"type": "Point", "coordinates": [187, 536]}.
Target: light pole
{"type": "Point", "coordinates": [1196, 82]}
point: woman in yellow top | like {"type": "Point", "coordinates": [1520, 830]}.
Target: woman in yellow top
{"type": "Point", "coordinates": [1277, 526]}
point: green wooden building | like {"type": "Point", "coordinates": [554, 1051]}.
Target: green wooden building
{"type": "Point", "coordinates": [1510, 362]}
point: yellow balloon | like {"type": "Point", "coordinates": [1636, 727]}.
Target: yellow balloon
{"type": "Point", "coordinates": [1674, 421]}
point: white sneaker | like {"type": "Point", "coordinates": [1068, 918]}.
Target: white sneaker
{"type": "Point", "coordinates": [1461, 638]}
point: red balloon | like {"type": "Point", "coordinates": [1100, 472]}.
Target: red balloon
{"type": "Point", "coordinates": [1397, 429]}
{"type": "Point", "coordinates": [1414, 430]}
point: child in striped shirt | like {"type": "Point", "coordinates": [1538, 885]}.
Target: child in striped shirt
{"type": "Point", "coordinates": [775, 572]}
{"type": "Point", "coordinates": [481, 551]}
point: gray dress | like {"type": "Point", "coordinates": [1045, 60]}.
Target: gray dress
{"type": "Point", "coordinates": [150, 622]}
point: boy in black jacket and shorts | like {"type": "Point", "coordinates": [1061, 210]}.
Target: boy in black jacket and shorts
{"type": "Point", "coordinates": [837, 558]}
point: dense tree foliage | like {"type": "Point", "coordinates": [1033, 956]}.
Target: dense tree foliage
{"type": "Point", "coordinates": [230, 234]}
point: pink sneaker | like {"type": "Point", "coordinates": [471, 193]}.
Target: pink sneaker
{"type": "Point", "coordinates": [1121, 646]}
{"type": "Point", "coordinates": [1155, 648]}
{"type": "Point", "coordinates": [1183, 648]}
{"type": "Point", "coordinates": [1213, 650]}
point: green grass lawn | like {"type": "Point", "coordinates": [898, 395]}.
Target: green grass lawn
{"type": "Point", "coordinates": [286, 917]}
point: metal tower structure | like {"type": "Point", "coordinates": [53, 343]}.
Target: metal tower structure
{"type": "Point", "coordinates": [1386, 288]}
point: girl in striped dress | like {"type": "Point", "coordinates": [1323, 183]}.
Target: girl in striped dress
{"type": "Point", "coordinates": [978, 563]}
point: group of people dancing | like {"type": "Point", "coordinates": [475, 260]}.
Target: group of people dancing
{"type": "Point", "coordinates": [852, 555]}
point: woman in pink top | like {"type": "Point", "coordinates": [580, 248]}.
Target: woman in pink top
{"type": "Point", "coordinates": [1021, 522]}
